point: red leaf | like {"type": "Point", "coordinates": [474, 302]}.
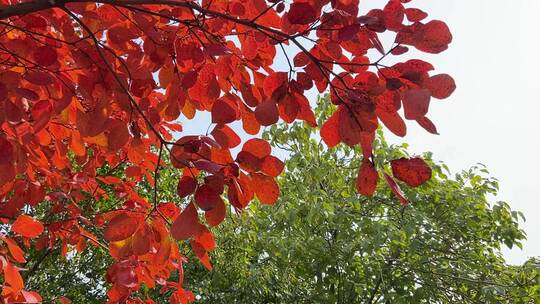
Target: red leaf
{"type": "Point", "coordinates": [414, 172]}
{"type": "Point", "coordinates": [27, 226]}
{"type": "Point", "coordinates": [415, 14]}
{"type": "Point", "coordinates": [240, 191]}
{"type": "Point", "coordinates": [288, 108]}
{"type": "Point", "coordinates": [272, 166]}
{"type": "Point", "coordinates": [349, 127]}
{"type": "Point", "coordinates": [15, 251]}
{"type": "Point", "coordinates": [121, 227]}
{"type": "Point", "coordinates": [396, 190]}
{"type": "Point", "coordinates": [330, 130]}
{"type": "Point", "coordinates": [266, 188]}
{"type": "Point", "coordinates": [185, 225]}
{"type": "Point", "coordinates": [427, 124]}
{"type": "Point", "coordinates": [393, 14]}
{"type": "Point", "coordinates": [39, 78]}
{"type": "Point", "coordinates": [224, 111]}
{"type": "Point", "coordinates": [258, 147]}
{"type": "Point", "coordinates": [441, 86]}
{"type": "Point", "coordinates": [205, 238]}
{"type": "Point", "coordinates": [206, 197]}
{"type": "Point", "coordinates": [433, 37]}
{"type": "Point", "coordinates": [393, 122]}
{"type": "Point", "coordinates": [45, 55]}
{"type": "Point", "coordinates": [267, 113]}
{"type": "Point", "coordinates": [6, 151]}
{"type": "Point", "coordinates": [367, 179]}
{"type": "Point", "coordinates": [186, 186]}
{"type": "Point", "coordinates": [142, 240]}
{"type": "Point", "coordinates": [273, 82]}
{"type": "Point", "coordinates": [248, 161]}
{"type": "Point", "coordinates": [118, 135]}
{"type": "Point", "coordinates": [225, 136]}
{"type": "Point", "coordinates": [189, 79]}
{"type": "Point", "coordinates": [216, 215]}
{"type": "Point", "coordinates": [201, 254]}
{"type": "Point", "coordinates": [13, 112]}
{"type": "Point", "coordinates": [301, 13]}
{"type": "Point", "coordinates": [416, 103]}
{"type": "Point", "coordinates": [366, 142]}
{"type": "Point", "coordinates": [399, 50]}
{"type": "Point", "coordinates": [12, 277]}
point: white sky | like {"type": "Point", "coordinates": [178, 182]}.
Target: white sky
{"type": "Point", "coordinates": [492, 117]}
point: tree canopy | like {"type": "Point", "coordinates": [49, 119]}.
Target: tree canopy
{"type": "Point", "coordinates": [324, 243]}
{"type": "Point", "coordinates": [91, 93]}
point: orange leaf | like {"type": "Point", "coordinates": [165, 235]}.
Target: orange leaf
{"type": "Point", "coordinates": [367, 179]}
{"type": "Point", "coordinates": [185, 225]}
{"type": "Point", "coordinates": [121, 227]}
{"type": "Point", "coordinates": [27, 226]}
{"type": "Point", "coordinates": [15, 251]}
{"type": "Point", "coordinates": [12, 277]}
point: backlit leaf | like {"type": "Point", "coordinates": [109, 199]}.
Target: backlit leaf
{"type": "Point", "coordinates": [27, 226]}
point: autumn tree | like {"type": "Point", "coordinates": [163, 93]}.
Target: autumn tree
{"type": "Point", "coordinates": [87, 85]}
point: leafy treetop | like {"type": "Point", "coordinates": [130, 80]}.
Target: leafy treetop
{"type": "Point", "coordinates": [84, 84]}
{"type": "Point", "coordinates": [324, 243]}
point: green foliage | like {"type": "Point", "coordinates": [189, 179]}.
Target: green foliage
{"type": "Point", "coordinates": [324, 243]}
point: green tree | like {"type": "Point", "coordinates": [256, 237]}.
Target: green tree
{"type": "Point", "coordinates": [324, 243]}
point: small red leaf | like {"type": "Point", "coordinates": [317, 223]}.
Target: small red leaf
{"type": "Point", "coordinates": [433, 37]}
{"type": "Point", "coordinates": [120, 227]}
{"type": "Point", "coordinates": [225, 136]}
{"type": "Point", "coordinates": [301, 13]}
{"type": "Point", "coordinates": [186, 186]}
{"type": "Point", "coordinates": [27, 226]}
{"type": "Point", "coordinates": [414, 172]}
{"type": "Point", "coordinates": [45, 55]}
{"type": "Point", "coordinates": [393, 14]}
{"type": "Point", "coordinates": [416, 103]}
{"type": "Point", "coordinates": [267, 113]}
{"type": "Point", "coordinates": [248, 161]}
{"type": "Point", "coordinates": [273, 82]}
{"type": "Point", "coordinates": [258, 147]}
{"type": "Point", "coordinates": [415, 14]}
{"type": "Point", "coordinates": [427, 124]}
{"type": "Point", "coordinates": [185, 224]}
{"type": "Point", "coordinates": [272, 166]}
{"type": "Point", "coordinates": [205, 238]}
{"type": "Point", "coordinates": [12, 277]}
{"type": "Point", "coordinates": [224, 111]}
{"type": "Point", "coordinates": [14, 249]}
{"type": "Point", "coordinates": [266, 188]}
{"type": "Point", "coordinates": [206, 197]}
{"type": "Point", "coordinates": [349, 127]}
{"type": "Point", "coordinates": [13, 112]}
{"type": "Point", "coordinates": [367, 179]}
{"type": "Point", "coordinates": [396, 190]}
{"type": "Point", "coordinates": [399, 50]}
{"type": "Point", "coordinates": [441, 86]}
{"type": "Point", "coordinates": [393, 122]}
{"type": "Point", "coordinates": [330, 130]}
{"type": "Point", "coordinates": [201, 254]}
{"type": "Point", "coordinates": [142, 240]}
{"type": "Point", "coordinates": [6, 151]}
{"type": "Point", "coordinates": [215, 216]}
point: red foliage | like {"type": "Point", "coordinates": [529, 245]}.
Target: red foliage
{"type": "Point", "coordinates": [86, 85]}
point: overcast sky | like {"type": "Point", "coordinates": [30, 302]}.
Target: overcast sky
{"type": "Point", "coordinates": [492, 117]}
